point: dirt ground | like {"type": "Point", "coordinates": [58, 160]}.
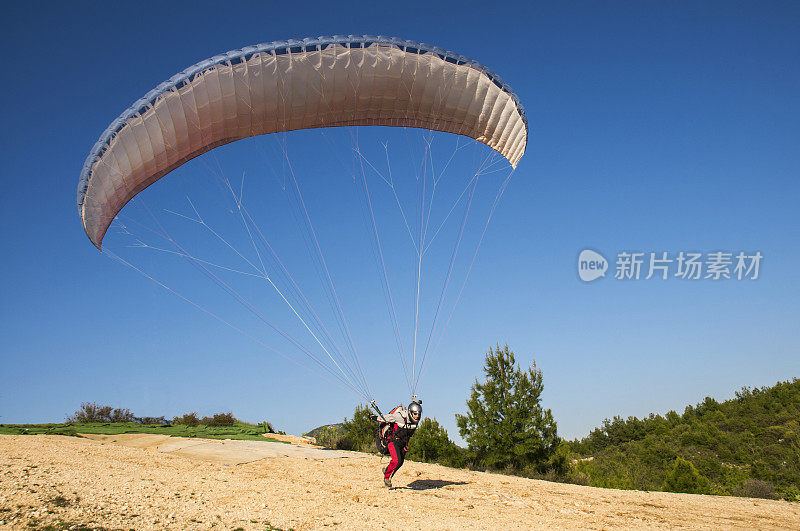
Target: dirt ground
{"type": "Point", "coordinates": [223, 452]}
{"type": "Point", "coordinates": [51, 479]}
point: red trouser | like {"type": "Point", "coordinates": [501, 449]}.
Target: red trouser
{"type": "Point", "coordinates": [398, 456]}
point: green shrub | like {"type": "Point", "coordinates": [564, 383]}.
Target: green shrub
{"type": "Point", "coordinates": [684, 477]}
{"type": "Point", "coordinates": [431, 444]}
{"type": "Point", "coordinates": [791, 494]}
{"type": "Point", "coordinates": [187, 419]}
{"type": "Point", "coordinates": [219, 419]}
{"type": "Point", "coordinates": [345, 443]}
{"type": "Point", "coordinates": [93, 412]}
{"type": "Point", "coordinates": [359, 433]}
{"type": "Point", "coordinates": [153, 420]}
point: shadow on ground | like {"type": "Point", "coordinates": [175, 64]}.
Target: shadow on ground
{"type": "Point", "coordinates": [425, 484]}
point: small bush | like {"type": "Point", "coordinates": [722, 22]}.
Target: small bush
{"type": "Point", "coordinates": [359, 433]}
{"type": "Point", "coordinates": [153, 420]}
{"type": "Point", "coordinates": [684, 477]}
{"type": "Point", "coordinates": [187, 419]}
{"type": "Point", "coordinates": [345, 443]}
{"type": "Point", "coordinates": [220, 419]}
{"type": "Point", "coordinates": [579, 478]}
{"type": "Point", "coordinates": [756, 488]}
{"type": "Point", "coordinates": [432, 444]}
{"type": "Point", "coordinates": [122, 415]}
{"type": "Point", "coordinates": [791, 494]}
{"type": "Point", "coordinates": [93, 412]}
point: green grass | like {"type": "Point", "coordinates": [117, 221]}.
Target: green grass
{"type": "Point", "coordinates": [239, 431]}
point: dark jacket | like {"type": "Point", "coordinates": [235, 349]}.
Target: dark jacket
{"type": "Point", "coordinates": [401, 436]}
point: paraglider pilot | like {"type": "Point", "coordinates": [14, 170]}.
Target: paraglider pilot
{"type": "Point", "coordinates": [395, 430]}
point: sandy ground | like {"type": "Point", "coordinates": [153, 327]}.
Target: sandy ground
{"type": "Point", "coordinates": [294, 439]}
{"type": "Point", "coordinates": [224, 452]}
{"type": "Point", "coordinates": [48, 479]}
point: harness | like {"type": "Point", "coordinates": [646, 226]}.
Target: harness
{"type": "Point", "coordinates": [385, 434]}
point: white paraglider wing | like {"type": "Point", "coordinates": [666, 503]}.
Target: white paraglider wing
{"type": "Point", "coordinates": [291, 85]}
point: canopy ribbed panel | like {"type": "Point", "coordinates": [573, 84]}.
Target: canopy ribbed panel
{"type": "Point", "coordinates": [301, 88]}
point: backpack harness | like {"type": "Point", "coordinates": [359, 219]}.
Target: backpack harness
{"type": "Point", "coordinates": [383, 435]}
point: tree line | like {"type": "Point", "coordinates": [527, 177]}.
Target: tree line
{"type": "Point", "coordinates": [747, 446]}
{"type": "Point", "coordinates": [91, 412]}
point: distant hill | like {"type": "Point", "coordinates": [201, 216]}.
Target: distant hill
{"type": "Point", "coordinates": [746, 446]}
{"type": "Point", "coordinates": [328, 434]}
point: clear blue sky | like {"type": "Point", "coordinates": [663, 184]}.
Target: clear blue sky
{"type": "Point", "coordinates": [670, 126]}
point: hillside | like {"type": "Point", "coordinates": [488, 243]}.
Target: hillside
{"type": "Point", "coordinates": [749, 446]}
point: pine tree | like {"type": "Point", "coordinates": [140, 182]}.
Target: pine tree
{"type": "Point", "coordinates": [505, 425]}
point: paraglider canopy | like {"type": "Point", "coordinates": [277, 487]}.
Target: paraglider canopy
{"type": "Point", "coordinates": [291, 85]}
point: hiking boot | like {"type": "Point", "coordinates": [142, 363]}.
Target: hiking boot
{"type": "Point", "coordinates": [388, 483]}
